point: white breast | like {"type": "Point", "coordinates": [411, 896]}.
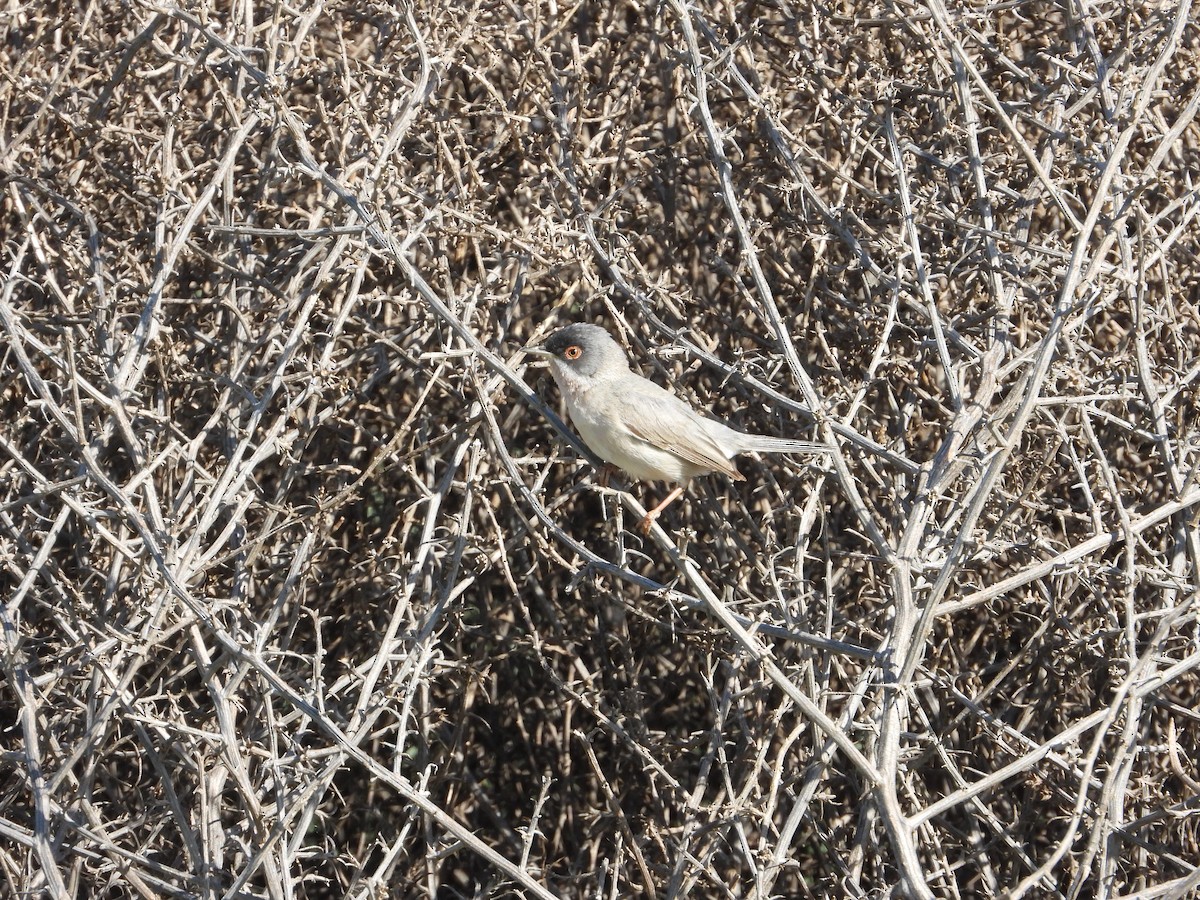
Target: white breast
{"type": "Point", "coordinates": [609, 439]}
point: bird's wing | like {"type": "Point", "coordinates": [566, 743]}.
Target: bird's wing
{"type": "Point", "coordinates": [656, 416]}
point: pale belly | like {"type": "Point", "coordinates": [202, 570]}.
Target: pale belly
{"type": "Point", "coordinates": [613, 444]}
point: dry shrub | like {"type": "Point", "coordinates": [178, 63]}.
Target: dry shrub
{"type": "Point", "coordinates": [309, 596]}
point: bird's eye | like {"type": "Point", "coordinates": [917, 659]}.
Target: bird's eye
{"type": "Point", "coordinates": [573, 352]}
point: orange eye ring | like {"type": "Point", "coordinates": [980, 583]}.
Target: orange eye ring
{"type": "Point", "coordinates": [573, 352]}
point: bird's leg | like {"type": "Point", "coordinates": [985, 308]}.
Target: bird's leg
{"type": "Point", "coordinates": [644, 525]}
{"type": "Point", "coordinates": [604, 474]}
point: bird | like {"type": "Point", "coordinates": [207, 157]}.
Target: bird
{"type": "Point", "coordinates": [636, 425]}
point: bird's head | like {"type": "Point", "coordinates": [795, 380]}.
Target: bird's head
{"type": "Point", "coordinates": [582, 353]}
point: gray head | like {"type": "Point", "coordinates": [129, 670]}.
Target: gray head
{"type": "Point", "coordinates": [583, 352]}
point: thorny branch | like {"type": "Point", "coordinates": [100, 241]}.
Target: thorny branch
{"type": "Point", "coordinates": [308, 595]}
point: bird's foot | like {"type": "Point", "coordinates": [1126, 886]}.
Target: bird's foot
{"type": "Point", "coordinates": [648, 521]}
{"type": "Point", "coordinates": [604, 474]}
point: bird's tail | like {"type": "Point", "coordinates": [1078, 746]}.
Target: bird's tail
{"type": "Point", "coordinates": [764, 444]}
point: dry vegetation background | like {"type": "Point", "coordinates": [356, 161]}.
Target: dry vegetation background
{"type": "Point", "coordinates": [308, 595]}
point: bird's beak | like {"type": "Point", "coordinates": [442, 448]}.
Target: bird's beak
{"type": "Point", "coordinates": [537, 350]}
